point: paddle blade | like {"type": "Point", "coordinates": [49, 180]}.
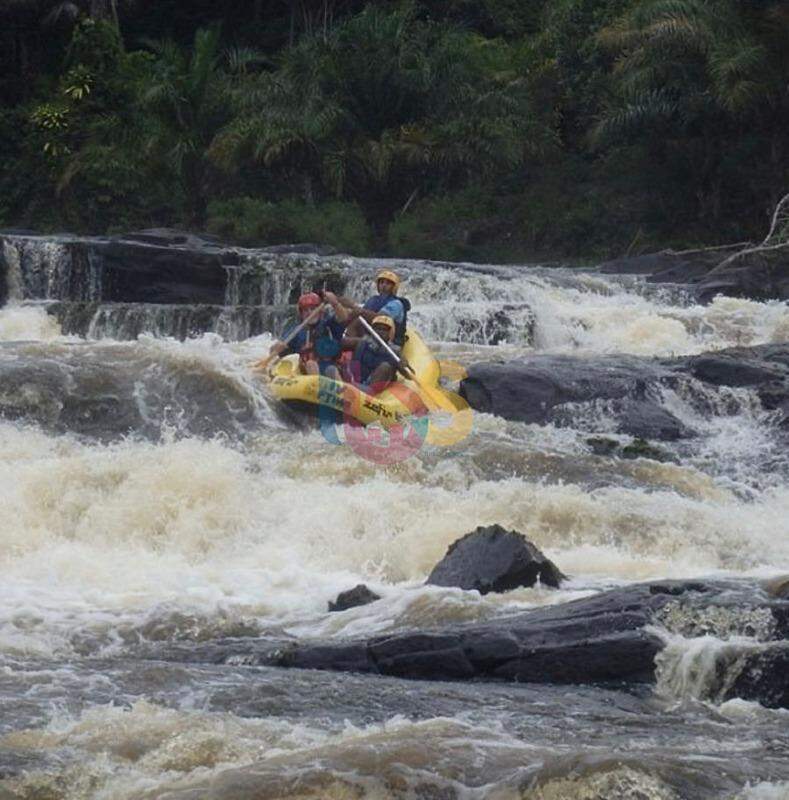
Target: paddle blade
{"type": "Point", "coordinates": [452, 371]}
{"type": "Point", "coordinates": [460, 421]}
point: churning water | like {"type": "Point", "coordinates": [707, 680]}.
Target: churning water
{"type": "Point", "coordinates": [151, 495]}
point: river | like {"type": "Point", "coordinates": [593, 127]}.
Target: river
{"type": "Point", "coordinates": [151, 495]}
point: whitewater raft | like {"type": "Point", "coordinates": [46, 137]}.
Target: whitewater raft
{"type": "Point", "coordinates": [402, 399]}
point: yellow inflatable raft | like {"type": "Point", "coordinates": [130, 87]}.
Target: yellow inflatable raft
{"type": "Point", "coordinates": [404, 398]}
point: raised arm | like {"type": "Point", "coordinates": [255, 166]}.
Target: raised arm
{"type": "Point", "coordinates": [341, 312]}
{"type": "Point", "coordinates": [354, 310]}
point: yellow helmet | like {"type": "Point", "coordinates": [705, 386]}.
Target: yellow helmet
{"type": "Point", "coordinates": [383, 319]}
{"type": "Point", "coordinates": [388, 275]}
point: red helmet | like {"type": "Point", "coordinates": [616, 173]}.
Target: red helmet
{"type": "Point", "coordinates": [308, 300]}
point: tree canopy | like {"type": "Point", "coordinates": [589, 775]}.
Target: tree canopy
{"type": "Point", "coordinates": [492, 129]}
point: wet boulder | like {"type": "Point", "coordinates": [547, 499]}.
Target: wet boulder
{"type": "Point", "coordinates": [573, 390]}
{"type": "Point", "coordinates": [741, 366]}
{"type": "Point", "coordinates": [625, 394]}
{"type": "Point", "coordinates": [155, 269]}
{"type": "Point", "coordinates": [115, 391]}
{"type": "Point", "coordinates": [667, 266]}
{"type": "Point", "coordinates": [511, 322]}
{"type": "Point", "coordinates": [492, 559]}
{"type": "Point", "coordinates": [758, 275]}
{"type": "Point", "coordinates": [604, 639]}
{"type": "Point", "coordinates": [610, 638]}
{"type": "Point", "coordinates": [637, 448]}
{"type": "Point", "coordinates": [764, 678]}
{"type": "Point", "coordinates": [764, 369]}
{"type": "Point", "coordinates": [360, 595]}
{"type": "Point", "coordinates": [778, 587]}
{"type": "Point", "coordinates": [647, 419]}
{"type": "Point", "coordinates": [530, 390]}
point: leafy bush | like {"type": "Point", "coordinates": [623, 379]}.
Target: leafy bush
{"type": "Point", "coordinates": [443, 228]}
{"type": "Point", "coordinates": [507, 224]}
{"type": "Point", "coordinates": [249, 220]}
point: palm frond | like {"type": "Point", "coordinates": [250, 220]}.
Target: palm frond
{"type": "Point", "coordinates": [647, 109]}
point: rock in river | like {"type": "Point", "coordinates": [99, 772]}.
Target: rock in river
{"type": "Point", "coordinates": [492, 559]}
{"type": "Point", "coordinates": [625, 392]}
{"type": "Point", "coordinates": [358, 596]}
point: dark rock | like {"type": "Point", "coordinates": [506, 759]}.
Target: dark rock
{"type": "Point", "coordinates": [599, 639]}
{"type": "Point", "coordinates": [606, 639]}
{"type": "Point", "coordinates": [638, 448]}
{"type": "Point", "coordinates": [560, 388]}
{"type": "Point", "coordinates": [764, 677]}
{"type": "Point", "coordinates": [758, 275]}
{"type": "Point", "coordinates": [626, 656]}
{"type": "Point", "coordinates": [647, 420]}
{"type": "Point", "coordinates": [114, 392]}
{"type": "Point", "coordinates": [764, 368]}
{"type": "Point", "coordinates": [778, 587]}
{"type": "Point", "coordinates": [358, 596]}
{"type": "Point", "coordinates": [426, 655]}
{"type": "Point", "coordinates": [146, 273]}
{"type": "Point", "coordinates": [528, 391]}
{"type": "Point", "coordinates": [305, 248]}
{"type": "Point", "coordinates": [341, 657]}
{"type": "Point", "coordinates": [495, 327]}
{"type": "Point", "coordinates": [158, 266]}
{"type": "Point", "coordinates": [733, 368]}
{"type": "Point", "coordinates": [667, 267]}
{"type": "Point", "coordinates": [602, 446]}
{"type": "Point", "coordinates": [627, 389]}
{"type": "Point", "coordinates": [491, 559]}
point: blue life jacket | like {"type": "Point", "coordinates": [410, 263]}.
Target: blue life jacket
{"type": "Point", "coordinates": [367, 357]}
{"type": "Point", "coordinates": [378, 301]}
{"type": "Point", "coordinates": [324, 339]}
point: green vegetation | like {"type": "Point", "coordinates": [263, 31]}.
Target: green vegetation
{"type": "Point", "coordinates": [250, 221]}
{"type": "Point", "coordinates": [489, 130]}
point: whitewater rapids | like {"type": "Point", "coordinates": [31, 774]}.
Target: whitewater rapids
{"type": "Point", "coordinates": [214, 519]}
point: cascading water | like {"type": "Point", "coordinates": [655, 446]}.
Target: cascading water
{"type": "Point", "coordinates": [150, 496]}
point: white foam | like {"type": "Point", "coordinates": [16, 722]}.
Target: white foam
{"type": "Point", "coordinates": [103, 536]}
{"type": "Point", "coordinates": [27, 323]}
{"type": "Point", "coordinates": [765, 791]}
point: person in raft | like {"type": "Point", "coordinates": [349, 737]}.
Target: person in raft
{"type": "Point", "coordinates": [372, 365]}
{"type": "Point", "coordinates": [319, 342]}
{"type": "Point", "coordinates": [386, 302]}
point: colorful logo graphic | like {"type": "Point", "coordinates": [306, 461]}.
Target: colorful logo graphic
{"type": "Point", "coordinates": [388, 423]}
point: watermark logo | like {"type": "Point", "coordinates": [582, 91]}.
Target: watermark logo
{"type": "Point", "coordinates": [391, 422]}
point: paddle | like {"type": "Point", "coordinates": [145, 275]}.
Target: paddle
{"type": "Point", "coordinates": [453, 371]}
{"type": "Point", "coordinates": [272, 358]}
{"type": "Point", "coordinates": [462, 420]}
{"type": "Point", "coordinates": [436, 396]}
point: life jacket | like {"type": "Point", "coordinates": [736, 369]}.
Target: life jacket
{"type": "Point", "coordinates": [366, 357]}
{"type": "Point", "coordinates": [320, 344]}
{"type": "Point", "coordinates": [378, 301]}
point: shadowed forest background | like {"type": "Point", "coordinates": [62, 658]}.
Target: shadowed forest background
{"type": "Point", "coordinates": [486, 130]}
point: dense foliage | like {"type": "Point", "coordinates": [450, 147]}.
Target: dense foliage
{"type": "Point", "coordinates": [496, 129]}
